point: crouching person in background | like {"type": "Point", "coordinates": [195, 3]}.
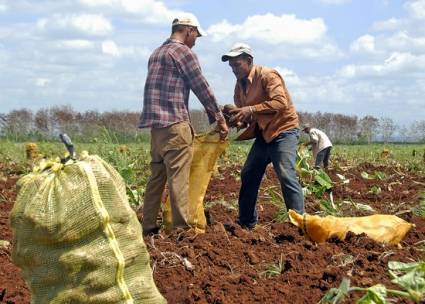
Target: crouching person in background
{"type": "Point", "coordinates": [321, 146]}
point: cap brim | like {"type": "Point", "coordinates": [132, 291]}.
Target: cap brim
{"type": "Point", "coordinates": [229, 55]}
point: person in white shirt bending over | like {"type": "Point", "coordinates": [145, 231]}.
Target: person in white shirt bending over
{"type": "Point", "coordinates": [321, 146]}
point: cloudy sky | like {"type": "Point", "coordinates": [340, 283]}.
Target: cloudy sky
{"type": "Point", "coordinates": [355, 57]}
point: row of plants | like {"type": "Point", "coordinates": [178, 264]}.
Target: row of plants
{"type": "Point", "coordinates": [408, 277]}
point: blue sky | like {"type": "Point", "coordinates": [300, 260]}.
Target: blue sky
{"type": "Point", "coordinates": [356, 57]}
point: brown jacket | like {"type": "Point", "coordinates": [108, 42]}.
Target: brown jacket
{"type": "Point", "coordinates": [271, 103]}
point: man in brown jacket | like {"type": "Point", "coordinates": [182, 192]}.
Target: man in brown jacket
{"type": "Point", "coordinates": [265, 106]}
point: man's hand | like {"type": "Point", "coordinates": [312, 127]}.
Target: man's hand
{"type": "Point", "coordinates": [222, 129]}
{"type": "Point", "coordinates": [243, 114]}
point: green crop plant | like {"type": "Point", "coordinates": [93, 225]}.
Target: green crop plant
{"type": "Point", "coordinates": [277, 200]}
{"type": "Point", "coordinates": [375, 190]}
{"type": "Point", "coordinates": [316, 181]}
{"type": "Point", "coordinates": [410, 277]}
{"type": "Point", "coordinates": [358, 206]}
{"type": "Point", "coordinates": [329, 207]}
{"type": "Point", "coordinates": [274, 269]}
{"type": "Point", "coordinates": [302, 164]}
{"type": "Point", "coordinates": [420, 208]}
{"type": "Point", "coordinates": [376, 175]}
{"type": "Point", "coordinates": [233, 204]}
{"type": "Point", "coordinates": [322, 183]}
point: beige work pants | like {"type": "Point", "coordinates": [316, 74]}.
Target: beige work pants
{"type": "Point", "coordinates": [171, 153]}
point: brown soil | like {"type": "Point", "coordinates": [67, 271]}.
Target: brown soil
{"type": "Point", "coordinates": [229, 264]}
{"type": "Point", "coordinates": [12, 287]}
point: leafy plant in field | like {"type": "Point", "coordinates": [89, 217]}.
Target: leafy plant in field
{"type": "Point", "coordinates": [343, 179]}
{"type": "Point", "coordinates": [410, 277]}
{"type": "Point", "coordinates": [380, 175]}
{"type": "Point", "coordinates": [359, 206]}
{"type": "Point", "coordinates": [420, 208]}
{"type": "Point", "coordinates": [376, 175]}
{"type": "Point", "coordinates": [365, 175]}
{"type": "Point", "coordinates": [375, 190]}
{"type": "Point", "coordinates": [134, 195]}
{"type": "Point", "coordinates": [227, 204]}
{"type": "Point", "coordinates": [322, 183]}
{"type": "Point", "coordinates": [277, 200]}
{"type": "Point", "coordinates": [302, 165]}
{"type": "Point", "coordinates": [274, 269]}
{"type": "Point", "coordinates": [317, 181]}
{"type": "Point", "coordinates": [329, 207]}
{"type": "Point", "coordinates": [420, 247]}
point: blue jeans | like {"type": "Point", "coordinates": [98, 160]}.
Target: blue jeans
{"type": "Point", "coordinates": [282, 153]}
{"type": "Point", "coordinates": [323, 157]}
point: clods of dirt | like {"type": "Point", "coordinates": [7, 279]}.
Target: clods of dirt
{"type": "Point", "coordinates": [273, 263]}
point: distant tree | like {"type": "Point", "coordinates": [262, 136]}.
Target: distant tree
{"type": "Point", "coordinates": [387, 128]}
{"type": "Point", "coordinates": [404, 133]}
{"type": "Point", "coordinates": [368, 127]}
{"type": "Point", "coordinates": [42, 122]}
{"type": "Point", "coordinates": [18, 123]}
{"type": "Point", "coordinates": [3, 120]}
{"type": "Point", "coordinates": [339, 127]}
{"type": "Point", "coordinates": [121, 126]}
{"type": "Point", "coordinates": [342, 128]}
{"type": "Point", "coordinates": [417, 130]}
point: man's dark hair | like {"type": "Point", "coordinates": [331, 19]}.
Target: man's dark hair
{"type": "Point", "coordinates": [247, 58]}
{"type": "Point", "coordinates": [177, 28]}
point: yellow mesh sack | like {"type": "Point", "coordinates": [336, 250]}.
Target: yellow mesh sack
{"type": "Point", "coordinates": [379, 227]}
{"type": "Point", "coordinates": [76, 238]}
{"type": "Point", "coordinates": [207, 149]}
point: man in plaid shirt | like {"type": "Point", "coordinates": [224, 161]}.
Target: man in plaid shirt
{"type": "Point", "coordinates": [173, 71]}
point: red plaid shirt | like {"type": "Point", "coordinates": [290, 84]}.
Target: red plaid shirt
{"type": "Point", "coordinates": [173, 71]}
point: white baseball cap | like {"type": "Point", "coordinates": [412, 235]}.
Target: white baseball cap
{"type": "Point", "coordinates": [236, 50]}
{"type": "Point", "coordinates": [190, 20]}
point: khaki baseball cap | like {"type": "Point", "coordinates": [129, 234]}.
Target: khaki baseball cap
{"type": "Point", "coordinates": [236, 50]}
{"type": "Point", "coordinates": [190, 20]}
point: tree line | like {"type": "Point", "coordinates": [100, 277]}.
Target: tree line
{"type": "Point", "coordinates": [121, 126]}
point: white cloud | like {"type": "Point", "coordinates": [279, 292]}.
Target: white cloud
{"type": "Point", "coordinates": [402, 41]}
{"type": "Point", "coordinates": [146, 11]}
{"type": "Point", "coordinates": [42, 82]}
{"type": "Point", "coordinates": [323, 52]}
{"type": "Point", "coordinates": [223, 29]}
{"type": "Point", "coordinates": [154, 12]}
{"type": "Point", "coordinates": [396, 64]}
{"type": "Point", "coordinates": [290, 77]}
{"type": "Point", "coordinates": [379, 97]}
{"type": "Point", "coordinates": [337, 2]}
{"type": "Point", "coordinates": [272, 29]}
{"type": "Point", "coordinates": [89, 24]}
{"type": "Point", "coordinates": [3, 8]}
{"type": "Point", "coordinates": [416, 8]}
{"type": "Point", "coordinates": [387, 25]}
{"type": "Point", "coordinates": [364, 43]}
{"type": "Point", "coordinates": [396, 35]}
{"type": "Point", "coordinates": [56, 62]}
{"type": "Point", "coordinates": [109, 47]}
{"type": "Point", "coordinates": [96, 3]}
{"type": "Point", "coordinates": [76, 44]}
